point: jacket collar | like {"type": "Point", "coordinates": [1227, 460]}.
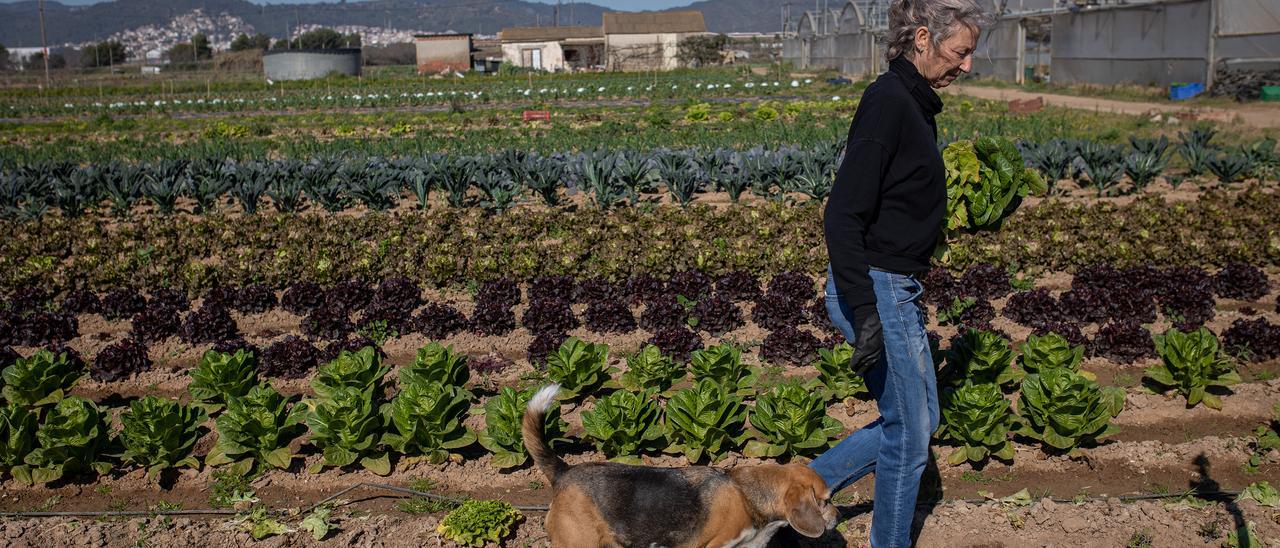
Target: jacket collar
{"type": "Point", "coordinates": [917, 85]}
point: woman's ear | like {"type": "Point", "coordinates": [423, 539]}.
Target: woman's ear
{"type": "Point", "coordinates": [922, 37]}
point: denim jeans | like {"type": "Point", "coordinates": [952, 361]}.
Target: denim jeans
{"type": "Point", "coordinates": [896, 445]}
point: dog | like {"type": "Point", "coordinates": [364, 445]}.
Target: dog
{"type": "Point", "coordinates": [605, 504]}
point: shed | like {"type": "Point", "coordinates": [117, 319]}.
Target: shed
{"type": "Point", "coordinates": [553, 48]}
{"type": "Point", "coordinates": [443, 52]}
{"type": "Point", "coordinates": [648, 41]}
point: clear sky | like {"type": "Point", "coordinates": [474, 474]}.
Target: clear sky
{"type": "Point", "coordinates": [615, 4]}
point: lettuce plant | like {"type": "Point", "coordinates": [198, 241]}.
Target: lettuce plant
{"type": "Point", "coordinates": [17, 437]}
{"type": "Point", "coordinates": [835, 374]}
{"type": "Point", "coordinates": [437, 363]}
{"type": "Point", "coordinates": [1064, 410]}
{"type": "Point", "coordinates": [480, 523]}
{"type": "Point", "coordinates": [1051, 351]}
{"type": "Point", "coordinates": [790, 420]}
{"type": "Point", "coordinates": [705, 420]}
{"type": "Point", "coordinates": [979, 357]}
{"type": "Point", "coordinates": [723, 364]}
{"type": "Point", "coordinates": [623, 424]}
{"type": "Point", "coordinates": [579, 367]}
{"type": "Point", "coordinates": [361, 370]}
{"type": "Point", "coordinates": [221, 377]}
{"type": "Point", "coordinates": [650, 369]}
{"type": "Point", "coordinates": [977, 417]}
{"type": "Point", "coordinates": [426, 420]}
{"type": "Point", "coordinates": [347, 428]}
{"type": "Point", "coordinates": [255, 431]}
{"type": "Point", "coordinates": [40, 379]}
{"type": "Point", "coordinates": [503, 414]}
{"type": "Point", "coordinates": [159, 434]}
{"type": "Point", "coordinates": [1191, 363]}
{"type": "Point", "coordinates": [73, 439]}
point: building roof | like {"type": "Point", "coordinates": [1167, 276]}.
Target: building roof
{"type": "Point", "coordinates": [423, 37]}
{"type": "Point", "coordinates": [549, 34]}
{"type": "Point", "coordinates": [654, 23]}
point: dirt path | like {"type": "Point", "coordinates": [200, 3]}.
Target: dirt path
{"type": "Point", "coordinates": [1260, 116]}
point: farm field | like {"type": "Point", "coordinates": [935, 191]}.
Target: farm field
{"type": "Point", "coordinates": [215, 316]}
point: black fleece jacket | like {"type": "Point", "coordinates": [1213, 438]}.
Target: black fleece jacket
{"type": "Point", "coordinates": [890, 196]}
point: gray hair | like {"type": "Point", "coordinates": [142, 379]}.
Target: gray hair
{"type": "Point", "coordinates": [943, 18]}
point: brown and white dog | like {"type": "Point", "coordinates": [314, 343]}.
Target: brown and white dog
{"type": "Point", "coordinates": [618, 505]}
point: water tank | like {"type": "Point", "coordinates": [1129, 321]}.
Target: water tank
{"type": "Point", "coordinates": [305, 64]}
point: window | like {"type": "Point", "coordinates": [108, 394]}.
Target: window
{"type": "Point", "coordinates": [531, 58]}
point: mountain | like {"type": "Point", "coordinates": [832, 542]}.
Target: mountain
{"type": "Point", "coordinates": [19, 22]}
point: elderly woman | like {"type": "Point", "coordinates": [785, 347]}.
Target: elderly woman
{"type": "Point", "coordinates": [882, 223]}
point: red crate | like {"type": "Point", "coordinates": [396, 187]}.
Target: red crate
{"type": "Point", "coordinates": [1027, 106]}
{"type": "Point", "coordinates": [531, 115]}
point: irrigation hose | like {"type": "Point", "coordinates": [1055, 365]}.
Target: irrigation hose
{"type": "Point", "coordinates": [1208, 495]}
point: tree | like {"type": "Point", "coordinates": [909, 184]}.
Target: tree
{"type": "Point", "coordinates": [36, 61]}
{"type": "Point", "coordinates": [244, 42]}
{"type": "Point", "coordinates": [4, 57]}
{"type": "Point", "coordinates": [103, 54]}
{"type": "Point", "coordinates": [201, 44]}
{"type": "Point", "coordinates": [322, 39]}
{"type": "Point", "coordinates": [703, 50]}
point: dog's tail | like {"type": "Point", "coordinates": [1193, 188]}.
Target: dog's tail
{"type": "Point", "coordinates": [534, 441]}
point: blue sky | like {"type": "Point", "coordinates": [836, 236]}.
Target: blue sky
{"type": "Point", "coordinates": [615, 4]}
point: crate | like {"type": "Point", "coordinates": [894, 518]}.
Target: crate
{"type": "Point", "coordinates": [532, 115]}
{"type": "Point", "coordinates": [1271, 93]}
{"type": "Point", "coordinates": [1182, 92]}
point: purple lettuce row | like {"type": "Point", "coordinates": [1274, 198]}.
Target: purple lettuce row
{"type": "Point", "coordinates": [41, 328]}
{"type": "Point", "coordinates": [301, 298]}
{"type": "Point", "coordinates": [351, 295]}
{"type": "Point", "coordinates": [644, 288]}
{"type": "Point", "coordinates": [81, 301]}
{"type": "Point", "coordinates": [818, 315]}
{"type": "Point", "coordinates": [776, 310]}
{"type": "Point", "coordinates": [978, 316]}
{"type": "Point", "coordinates": [289, 358]}
{"type": "Point", "coordinates": [9, 326]}
{"type": "Point", "coordinates": [255, 299]}
{"type": "Point", "coordinates": [1123, 342]}
{"type": "Point", "coordinates": [439, 321]}
{"type": "Point", "coordinates": [1033, 308]}
{"type": "Point", "coordinates": [738, 285]}
{"type": "Point", "coordinates": [1069, 331]}
{"type": "Point", "coordinates": [717, 315]}
{"type": "Point", "coordinates": [223, 296]}
{"type": "Point", "coordinates": [552, 287]}
{"type": "Point", "coordinates": [156, 323]}
{"type": "Point", "coordinates": [678, 342]}
{"type": "Point", "coordinates": [396, 316]}
{"type": "Point", "coordinates": [832, 338]}
{"type": "Point", "coordinates": [209, 324]}
{"type": "Point", "coordinates": [492, 318]}
{"type": "Point", "coordinates": [691, 284]}
{"type": "Point", "coordinates": [120, 361]}
{"type": "Point", "coordinates": [939, 287]}
{"type": "Point", "coordinates": [1278, 304]}
{"type": "Point", "coordinates": [597, 289]}
{"type": "Point", "coordinates": [400, 292]}
{"type": "Point", "coordinates": [609, 316]}
{"type": "Point", "coordinates": [329, 321]}
{"type": "Point", "coordinates": [984, 281]}
{"type": "Point", "coordinates": [490, 364]}
{"type": "Point", "coordinates": [8, 356]}
{"type": "Point", "coordinates": [549, 314]}
{"type": "Point", "coordinates": [1084, 305]}
{"type": "Point", "coordinates": [351, 344]}
{"type": "Point", "coordinates": [504, 293]}
{"type": "Point", "coordinates": [1241, 281]}
{"type": "Point", "coordinates": [795, 286]}
{"type": "Point", "coordinates": [171, 297]}
{"type": "Point", "coordinates": [30, 299]}
{"type": "Point", "coordinates": [664, 311]}
{"type": "Point", "coordinates": [230, 346]}
{"type": "Point", "coordinates": [790, 345]}
{"type": "Point", "coordinates": [543, 344]}
{"type": "Point", "coordinates": [1255, 340]}
{"type": "Point", "coordinates": [120, 303]}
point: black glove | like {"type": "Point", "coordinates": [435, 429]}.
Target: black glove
{"type": "Point", "coordinates": [869, 344]}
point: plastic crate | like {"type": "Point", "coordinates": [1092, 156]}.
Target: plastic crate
{"type": "Point", "coordinates": [1271, 93]}
{"type": "Point", "coordinates": [1181, 92]}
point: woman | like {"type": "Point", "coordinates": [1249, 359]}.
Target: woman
{"type": "Point", "coordinates": [882, 222]}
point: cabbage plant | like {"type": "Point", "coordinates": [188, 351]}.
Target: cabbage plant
{"type": "Point", "coordinates": [362, 370]}
{"type": "Point", "coordinates": [40, 379]}
{"type": "Point", "coordinates": [347, 428]}
{"type": "Point", "coordinates": [579, 367]}
{"type": "Point", "coordinates": [437, 363]}
{"type": "Point", "coordinates": [981, 357]}
{"type": "Point", "coordinates": [623, 424]}
{"type": "Point", "coordinates": [426, 420]}
{"type": "Point", "coordinates": [1191, 363]}
{"type": "Point", "coordinates": [17, 437]}
{"type": "Point", "coordinates": [705, 420]}
{"type": "Point", "coordinates": [650, 369]}
{"type": "Point", "coordinates": [1051, 351]}
{"type": "Point", "coordinates": [221, 377]}
{"type": "Point", "coordinates": [1064, 410]}
{"type": "Point", "coordinates": [978, 419]}
{"type": "Point", "coordinates": [255, 431]}
{"type": "Point", "coordinates": [159, 434]}
{"type": "Point", "coordinates": [73, 439]}
{"type": "Point", "coordinates": [503, 416]}
{"type": "Point", "coordinates": [723, 364]}
{"type": "Point", "coordinates": [790, 420]}
{"type": "Point", "coordinates": [836, 375]}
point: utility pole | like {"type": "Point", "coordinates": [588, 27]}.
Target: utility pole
{"type": "Point", "coordinates": [44, 46]}
{"type": "Point", "coordinates": [557, 13]}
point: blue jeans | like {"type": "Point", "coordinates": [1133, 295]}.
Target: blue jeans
{"type": "Point", "coordinates": [896, 445]}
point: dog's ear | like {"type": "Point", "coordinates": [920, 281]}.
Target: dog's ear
{"type": "Point", "coordinates": [803, 512]}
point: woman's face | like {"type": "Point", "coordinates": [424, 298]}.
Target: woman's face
{"type": "Point", "coordinates": [941, 65]}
